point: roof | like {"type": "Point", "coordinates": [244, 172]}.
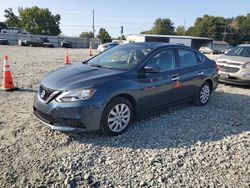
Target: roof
{"type": "Point", "coordinates": [171, 36]}
{"type": "Point", "coordinates": [244, 45]}
{"type": "Point", "coordinates": [220, 42]}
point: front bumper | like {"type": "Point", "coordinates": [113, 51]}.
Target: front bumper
{"type": "Point", "coordinates": [74, 116]}
{"type": "Point", "coordinates": [242, 77]}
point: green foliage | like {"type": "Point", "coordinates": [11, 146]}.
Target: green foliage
{"type": "Point", "coordinates": [180, 30]}
{"type": "Point", "coordinates": [209, 26]}
{"type": "Point", "coordinates": [11, 19]}
{"type": "Point", "coordinates": [87, 35]}
{"type": "Point", "coordinates": [161, 27]}
{"type": "Point", "coordinates": [236, 30]}
{"type": "Point", "coordinates": [2, 26]}
{"type": "Point", "coordinates": [104, 36]}
{"type": "Point", "coordinates": [121, 38]}
{"type": "Point", "coordinates": [35, 20]}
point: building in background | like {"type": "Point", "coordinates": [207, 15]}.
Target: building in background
{"type": "Point", "coordinates": [195, 42]}
{"type": "Point", "coordinates": [221, 46]}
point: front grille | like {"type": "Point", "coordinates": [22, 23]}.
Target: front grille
{"type": "Point", "coordinates": [44, 92]}
{"type": "Point", "coordinates": [44, 117]}
{"type": "Point", "coordinates": [229, 69]}
{"type": "Point", "coordinates": [74, 123]}
{"type": "Point", "coordinates": [229, 63]}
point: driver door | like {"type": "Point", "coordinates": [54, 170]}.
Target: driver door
{"type": "Point", "coordinates": [157, 89]}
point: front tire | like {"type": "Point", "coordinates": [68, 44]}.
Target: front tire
{"type": "Point", "coordinates": [117, 116]}
{"type": "Point", "coordinates": [203, 96]}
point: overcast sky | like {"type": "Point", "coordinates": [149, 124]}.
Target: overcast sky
{"type": "Point", "coordinates": [134, 15]}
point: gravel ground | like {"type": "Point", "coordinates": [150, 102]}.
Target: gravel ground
{"type": "Point", "coordinates": [185, 146]}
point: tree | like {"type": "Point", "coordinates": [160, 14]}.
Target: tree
{"type": "Point", "coordinates": [104, 36]}
{"type": "Point", "coordinates": [11, 19]}
{"type": "Point", "coordinates": [161, 27]}
{"type": "Point", "coordinates": [2, 26]}
{"type": "Point", "coordinates": [40, 21]}
{"type": "Point", "coordinates": [121, 38]}
{"type": "Point", "coordinates": [208, 26]}
{"type": "Point", "coordinates": [87, 35]}
{"type": "Point", "coordinates": [180, 30]}
{"type": "Point", "coordinates": [35, 20]}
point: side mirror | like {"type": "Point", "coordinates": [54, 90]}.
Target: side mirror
{"type": "Point", "coordinates": [152, 69]}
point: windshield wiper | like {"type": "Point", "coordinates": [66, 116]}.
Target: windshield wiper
{"type": "Point", "coordinates": [101, 66]}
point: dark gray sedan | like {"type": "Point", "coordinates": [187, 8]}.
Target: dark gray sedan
{"type": "Point", "coordinates": [108, 91]}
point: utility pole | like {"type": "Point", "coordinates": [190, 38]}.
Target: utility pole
{"type": "Point", "coordinates": [224, 33]}
{"type": "Point", "coordinates": [93, 26]}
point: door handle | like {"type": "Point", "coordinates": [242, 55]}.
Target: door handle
{"type": "Point", "coordinates": [175, 78]}
{"type": "Point", "coordinates": [200, 73]}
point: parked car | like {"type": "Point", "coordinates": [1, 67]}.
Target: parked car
{"type": "Point", "coordinates": [106, 46]}
{"type": "Point", "coordinates": [39, 42]}
{"type": "Point", "coordinates": [235, 65]}
{"type": "Point", "coordinates": [4, 41]}
{"type": "Point", "coordinates": [207, 50]}
{"type": "Point", "coordinates": [108, 91]}
{"type": "Point", "coordinates": [66, 44]}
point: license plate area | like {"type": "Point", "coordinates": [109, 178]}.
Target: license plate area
{"type": "Point", "coordinates": [223, 75]}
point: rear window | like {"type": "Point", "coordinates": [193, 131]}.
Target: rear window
{"type": "Point", "coordinates": [187, 58]}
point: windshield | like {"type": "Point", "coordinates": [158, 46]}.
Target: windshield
{"type": "Point", "coordinates": [120, 57]}
{"type": "Point", "coordinates": [239, 51]}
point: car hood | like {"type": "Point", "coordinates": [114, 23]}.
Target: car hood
{"type": "Point", "coordinates": [77, 76]}
{"type": "Point", "coordinates": [233, 59]}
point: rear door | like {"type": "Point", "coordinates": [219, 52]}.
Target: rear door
{"type": "Point", "coordinates": [191, 73]}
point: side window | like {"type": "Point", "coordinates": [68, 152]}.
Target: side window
{"type": "Point", "coordinates": [164, 59]}
{"type": "Point", "coordinates": [187, 58]}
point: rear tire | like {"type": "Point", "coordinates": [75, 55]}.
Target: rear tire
{"type": "Point", "coordinates": [203, 95]}
{"type": "Point", "coordinates": [117, 116]}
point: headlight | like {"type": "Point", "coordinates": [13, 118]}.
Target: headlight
{"type": "Point", "coordinates": [246, 66]}
{"type": "Point", "coordinates": [76, 95]}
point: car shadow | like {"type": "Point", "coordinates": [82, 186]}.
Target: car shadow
{"type": "Point", "coordinates": [26, 90]}
{"type": "Point", "coordinates": [184, 125]}
{"type": "Point", "coordinates": [236, 85]}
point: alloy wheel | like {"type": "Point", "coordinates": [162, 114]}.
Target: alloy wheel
{"type": "Point", "coordinates": [205, 94]}
{"type": "Point", "coordinates": [119, 117]}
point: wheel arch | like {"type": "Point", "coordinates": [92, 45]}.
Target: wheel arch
{"type": "Point", "coordinates": [210, 83]}
{"type": "Point", "coordinates": [130, 98]}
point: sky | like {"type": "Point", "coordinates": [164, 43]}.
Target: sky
{"type": "Point", "coordinates": [134, 15]}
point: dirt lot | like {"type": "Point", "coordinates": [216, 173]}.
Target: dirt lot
{"type": "Point", "coordinates": [186, 146]}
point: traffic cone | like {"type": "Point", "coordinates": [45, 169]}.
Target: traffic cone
{"type": "Point", "coordinates": [66, 59]}
{"type": "Point", "coordinates": [90, 49]}
{"type": "Point", "coordinates": [8, 84]}
{"type": "Point", "coordinates": [177, 84]}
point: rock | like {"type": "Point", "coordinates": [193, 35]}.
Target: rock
{"type": "Point", "coordinates": [62, 175]}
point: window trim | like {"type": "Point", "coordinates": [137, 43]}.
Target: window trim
{"type": "Point", "coordinates": [177, 63]}
{"type": "Point", "coordinates": [157, 52]}
{"type": "Point", "coordinates": [196, 55]}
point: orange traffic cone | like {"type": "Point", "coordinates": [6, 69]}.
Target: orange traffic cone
{"type": "Point", "coordinates": [8, 84]}
{"type": "Point", "coordinates": [90, 49]}
{"type": "Point", "coordinates": [177, 84]}
{"type": "Point", "coordinates": [66, 59]}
